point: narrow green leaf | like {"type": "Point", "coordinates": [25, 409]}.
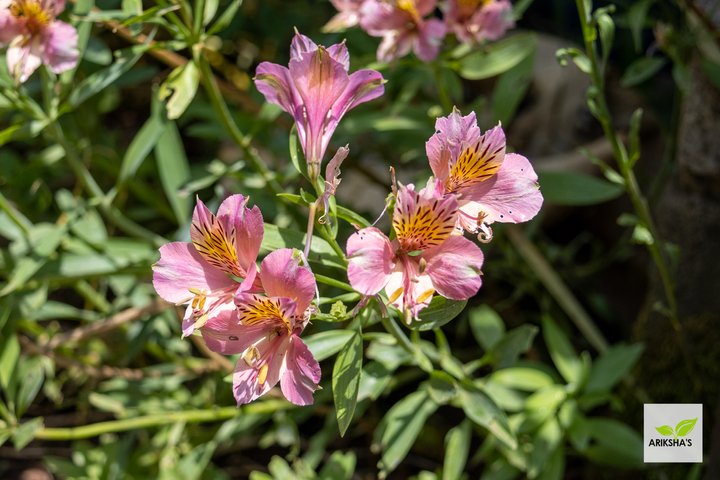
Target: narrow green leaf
{"type": "Point", "coordinates": [326, 344]}
{"type": "Point", "coordinates": [400, 426]}
{"type": "Point", "coordinates": [174, 170]}
{"type": "Point", "coordinates": [33, 375]}
{"type": "Point", "coordinates": [561, 351]}
{"type": "Point", "coordinates": [211, 8]}
{"type": "Point", "coordinates": [569, 188]}
{"type": "Point", "coordinates": [179, 89]}
{"type": "Point", "coordinates": [684, 427]}
{"type": "Point", "coordinates": [544, 444]}
{"type": "Point", "coordinates": [612, 366]}
{"type": "Point", "coordinates": [497, 57]}
{"type": "Point", "coordinates": [141, 146]}
{"type": "Point", "coordinates": [487, 326]}
{"type": "Point", "coordinates": [438, 313]}
{"type": "Point", "coordinates": [482, 410]}
{"type": "Point", "coordinates": [522, 378]}
{"type": "Point", "coordinates": [226, 17]}
{"type": "Point", "coordinates": [340, 466]}
{"type": "Point", "coordinates": [346, 381]}
{"type": "Point", "coordinates": [457, 447]}
{"type": "Point", "coordinates": [642, 69]}
{"type": "Point", "coordinates": [615, 444]}
{"type": "Point", "coordinates": [9, 354]}
{"type": "Point", "coordinates": [517, 341]}
{"type": "Point", "coordinates": [373, 380]}
{"type": "Point", "coordinates": [25, 433]}
{"type": "Point", "coordinates": [510, 89]}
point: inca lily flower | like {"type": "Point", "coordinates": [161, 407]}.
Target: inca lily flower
{"type": "Point", "coordinates": [491, 186]}
{"type": "Point", "coordinates": [266, 329]}
{"type": "Point", "coordinates": [348, 15]}
{"type": "Point", "coordinates": [424, 258]}
{"type": "Point", "coordinates": [403, 27]}
{"type": "Point", "coordinates": [33, 36]}
{"type": "Point", "coordinates": [474, 21]}
{"type": "Point", "coordinates": [207, 272]}
{"type": "Point", "coordinates": [317, 91]}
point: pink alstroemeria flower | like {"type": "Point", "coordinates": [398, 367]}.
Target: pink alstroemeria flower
{"type": "Point", "coordinates": [206, 273]}
{"type": "Point", "coordinates": [424, 258]}
{"type": "Point", "coordinates": [33, 36]}
{"type": "Point", "coordinates": [265, 330]}
{"type": "Point", "coordinates": [403, 26]}
{"type": "Point", "coordinates": [317, 91]}
{"type": "Point", "coordinates": [491, 186]}
{"type": "Point", "coordinates": [475, 21]}
{"type": "Point", "coordinates": [348, 15]}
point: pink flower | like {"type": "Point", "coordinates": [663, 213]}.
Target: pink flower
{"type": "Point", "coordinates": [317, 91]}
{"type": "Point", "coordinates": [402, 26]}
{"type": "Point", "coordinates": [33, 36]}
{"type": "Point", "coordinates": [207, 272]}
{"type": "Point", "coordinates": [424, 258]}
{"type": "Point", "coordinates": [474, 21]}
{"type": "Point", "coordinates": [348, 15]}
{"type": "Point", "coordinates": [491, 186]}
{"type": "Point", "coordinates": [265, 331]}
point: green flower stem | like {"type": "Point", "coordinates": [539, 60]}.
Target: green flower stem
{"type": "Point", "coordinates": [402, 339]}
{"type": "Point", "coordinates": [639, 203]}
{"type": "Point", "coordinates": [557, 288]}
{"type": "Point", "coordinates": [221, 108]}
{"type": "Point", "coordinates": [148, 421]}
{"type": "Point", "coordinates": [333, 283]}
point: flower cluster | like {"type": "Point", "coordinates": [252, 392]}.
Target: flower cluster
{"type": "Point", "coordinates": [239, 309]}
{"type": "Point", "coordinates": [406, 25]}
{"type": "Point", "coordinates": [475, 183]}
{"type": "Point", "coordinates": [33, 36]}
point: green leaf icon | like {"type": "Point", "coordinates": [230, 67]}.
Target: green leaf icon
{"type": "Point", "coordinates": [665, 430]}
{"type": "Point", "coordinates": [684, 427]}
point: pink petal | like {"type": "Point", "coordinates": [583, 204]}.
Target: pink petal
{"type": "Point", "coordinates": [340, 54]}
{"type": "Point", "coordinates": [213, 238]}
{"type": "Point", "coordinates": [455, 268]}
{"type": "Point", "coordinates": [395, 44]}
{"type": "Point", "coordinates": [370, 256]}
{"type": "Point", "coordinates": [282, 276]}
{"type": "Point", "coordinates": [423, 219]}
{"type": "Point", "coordinates": [407, 288]}
{"type": "Point", "coordinates": [274, 82]}
{"type": "Point", "coordinates": [512, 195]}
{"type": "Point", "coordinates": [248, 225]}
{"type": "Point", "coordinates": [60, 52]}
{"type": "Point", "coordinates": [54, 6]}
{"type": "Point", "coordinates": [181, 268]}
{"type": "Point", "coordinates": [429, 39]}
{"type": "Point", "coordinates": [22, 61]}
{"type": "Point", "coordinates": [10, 27]}
{"type": "Point", "coordinates": [246, 379]}
{"type": "Point", "coordinates": [452, 134]}
{"type": "Point", "coordinates": [477, 163]}
{"type": "Point", "coordinates": [224, 334]}
{"type": "Point", "coordinates": [272, 312]}
{"type": "Point", "coordinates": [491, 21]}
{"type": "Point", "coordinates": [302, 373]}
{"type": "Point", "coordinates": [378, 17]}
{"type": "Point", "coordinates": [300, 46]}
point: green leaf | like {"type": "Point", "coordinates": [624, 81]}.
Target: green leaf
{"type": "Point", "coordinates": [22, 131]}
{"type": "Point", "coordinates": [482, 410]}
{"type": "Point", "coordinates": [615, 444]}
{"type": "Point", "coordinates": [569, 188]}
{"type": "Point", "coordinates": [561, 351]}
{"type": "Point", "coordinates": [180, 88]}
{"type": "Point", "coordinates": [543, 404]}
{"type": "Point", "coordinates": [606, 28]}
{"type": "Point", "coordinates": [684, 427]}
{"type": "Point", "coordinates": [457, 447]}
{"type": "Point", "coordinates": [497, 57]}
{"type": "Point", "coordinates": [487, 326]}
{"type": "Point", "coordinates": [544, 444]}
{"type": "Point", "coordinates": [612, 366]}
{"type": "Point", "coordinates": [326, 344]}
{"type": "Point", "coordinates": [665, 430]}
{"type": "Point", "coordinates": [32, 373]}
{"type": "Point", "coordinates": [25, 433]}
{"type": "Point", "coordinates": [636, 15]}
{"type": "Point", "coordinates": [642, 69]}
{"type": "Point", "coordinates": [301, 167]}
{"type": "Point", "coordinates": [141, 146]}
{"type": "Point", "coordinates": [522, 378]}
{"type": "Point", "coordinates": [441, 387]}
{"type": "Point", "coordinates": [438, 313]}
{"type": "Point", "coordinates": [346, 381]}
{"type": "Point", "coordinates": [352, 217]}
{"type": "Point", "coordinates": [340, 466]}
{"type": "Point", "coordinates": [554, 468]}
{"type": "Point", "coordinates": [400, 426]}
{"type": "Point", "coordinates": [98, 81]}
{"type": "Point", "coordinates": [9, 354]}
{"type": "Point", "coordinates": [174, 170]}
{"type": "Point", "coordinates": [373, 380]}
{"type": "Point", "coordinates": [210, 10]}
{"type": "Point", "coordinates": [510, 89]}
{"type": "Point", "coordinates": [226, 17]}
{"type": "Point", "coordinates": [518, 340]}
